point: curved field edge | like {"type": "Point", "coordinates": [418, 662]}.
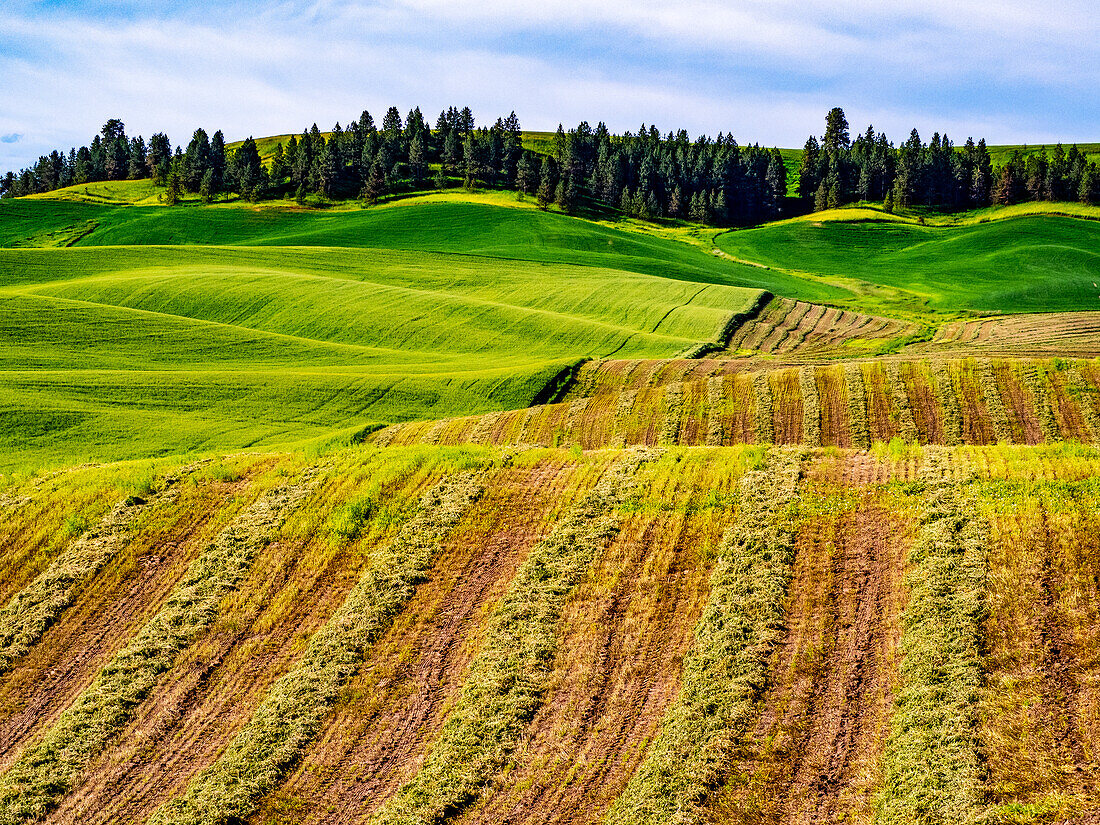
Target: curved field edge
{"type": "Point", "coordinates": [715, 402]}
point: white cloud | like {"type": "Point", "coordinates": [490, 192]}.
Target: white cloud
{"type": "Point", "coordinates": [764, 69]}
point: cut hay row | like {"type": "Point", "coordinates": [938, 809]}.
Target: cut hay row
{"type": "Point", "coordinates": [623, 411]}
{"type": "Point", "coordinates": [755, 330]}
{"type": "Point", "coordinates": [387, 435]}
{"type": "Point", "coordinates": [845, 405]}
{"type": "Point", "coordinates": [931, 767]}
{"type": "Point", "coordinates": [806, 326]}
{"type": "Point", "coordinates": [811, 407]}
{"type": "Point", "coordinates": [796, 327]}
{"type": "Point", "coordinates": [289, 717]}
{"type": "Point", "coordinates": [1038, 384]}
{"type": "Point", "coordinates": [775, 337]}
{"type": "Point", "coordinates": [507, 679]}
{"type": "Point", "coordinates": [715, 405]}
{"type": "Point", "coordinates": [994, 403]}
{"type": "Point", "coordinates": [483, 432]}
{"type": "Point", "coordinates": [907, 427]}
{"type": "Point", "coordinates": [48, 770]}
{"type": "Point", "coordinates": [948, 404]}
{"type": "Point", "coordinates": [674, 413]}
{"type": "Point", "coordinates": [32, 610]}
{"type": "Point", "coordinates": [764, 413]}
{"type": "Point", "coordinates": [1087, 399]}
{"type": "Point", "coordinates": [1075, 334]}
{"type": "Point", "coordinates": [857, 407]}
{"type": "Point", "coordinates": [724, 673]}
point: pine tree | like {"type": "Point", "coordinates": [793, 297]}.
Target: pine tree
{"type": "Point", "coordinates": [836, 136]}
{"type": "Point", "coordinates": [1089, 190]}
{"type": "Point", "coordinates": [545, 194]}
{"type": "Point", "coordinates": [808, 177]}
{"type": "Point", "coordinates": [391, 123]}
{"type": "Point", "coordinates": [626, 201]}
{"type": "Point", "coordinates": [173, 186]}
{"type": "Point", "coordinates": [418, 158]}
{"type": "Point", "coordinates": [139, 159]}
{"type": "Point", "coordinates": [675, 203]}
{"type": "Point", "coordinates": [196, 160]}
{"type": "Point", "coordinates": [526, 174]}
{"type": "Point", "coordinates": [206, 188]}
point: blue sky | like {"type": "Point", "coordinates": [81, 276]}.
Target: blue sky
{"type": "Point", "coordinates": [767, 70]}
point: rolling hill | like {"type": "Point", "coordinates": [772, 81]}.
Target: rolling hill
{"type": "Point", "coordinates": [453, 510]}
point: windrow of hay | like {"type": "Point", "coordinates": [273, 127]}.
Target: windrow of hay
{"type": "Point", "coordinates": [811, 406]}
{"type": "Point", "coordinates": [483, 432]}
{"type": "Point", "coordinates": [289, 717]}
{"type": "Point", "coordinates": [1038, 385]}
{"type": "Point", "coordinates": [725, 672]}
{"type": "Point", "coordinates": [508, 677]}
{"type": "Point", "coordinates": [857, 407]}
{"type": "Point", "coordinates": [907, 426]}
{"type": "Point", "coordinates": [715, 405]}
{"type": "Point", "coordinates": [949, 404]}
{"type": "Point", "coordinates": [931, 768]}
{"type": "Point", "coordinates": [32, 610]}
{"type": "Point", "coordinates": [48, 770]}
{"type": "Point", "coordinates": [674, 412]}
{"type": "Point", "coordinates": [1087, 399]}
{"type": "Point", "coordinates": [623, 409]}
{"type": "Point", "coordinates": [994, 404]}
{"type": "Point", "coordinates": [765, 423]}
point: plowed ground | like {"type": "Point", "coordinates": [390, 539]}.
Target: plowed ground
{"type": "Point", "coordinates": [110, 609]}
{"type": "Point", "coordinates": [813, 755]}
{"type": "Point", "coordinates": [386, 716]}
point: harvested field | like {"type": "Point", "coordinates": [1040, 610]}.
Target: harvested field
{"type": "Point", "coordinates": [1064, 334]}
{"type": "Point", "coordinates": [375, 740]}
{"type": "Point", "coordinates": [796, 329]}
{"type": "Point", "coordinates": [744, 643]}
{"type": "Point", "coordinates": [839, 405]}
{"type": "Point", "coordinates": [814, 752]}
{"type": "Point", "coordinates": [1041, 703]}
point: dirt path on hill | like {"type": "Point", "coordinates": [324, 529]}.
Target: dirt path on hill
{"type": "Point", "coordinates": [623, 640]}
{"type": "Point", "coordinates": [812, 758]}
{"type": "Point", "coordinates": [375, 740]}
{"type": "Point", "coordinates": [119, 600]}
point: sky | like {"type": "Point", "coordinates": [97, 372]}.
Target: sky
{"type": "Point", "coordinates": [764, 70]}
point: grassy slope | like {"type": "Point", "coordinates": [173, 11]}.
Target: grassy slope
{"type": "Point", "coordinates": [440, 224]}
{"type": "Point", "coordinates": [1027, 264]}
{"type": "Point", "coordinates": [323, 320]}
{"type": "Point", "coordinates": [122, 351]}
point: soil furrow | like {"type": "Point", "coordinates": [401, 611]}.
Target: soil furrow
{"type": "Point", "coordinates": [375, 740]}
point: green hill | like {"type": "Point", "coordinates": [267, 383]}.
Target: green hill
{"type": "Point", "coordinates": [1037, 263]}
{"type": "Point", "coordinates": [123, 351]}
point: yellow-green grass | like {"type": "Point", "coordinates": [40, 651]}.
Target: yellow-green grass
{"type": "Point", "coordinates": [119, 352]}
{"type": "Point", "coordinates": [1034, 263]}
{"type": "Point", "coordinates": [483, 225]}
{"type": "Point", "coordinates": [107, 193]}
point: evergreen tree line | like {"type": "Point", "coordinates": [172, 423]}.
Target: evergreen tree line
{"type": "Point", "coordinates": [836, 170]}
{"type": "Point", "coordinates": [646, 175]}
